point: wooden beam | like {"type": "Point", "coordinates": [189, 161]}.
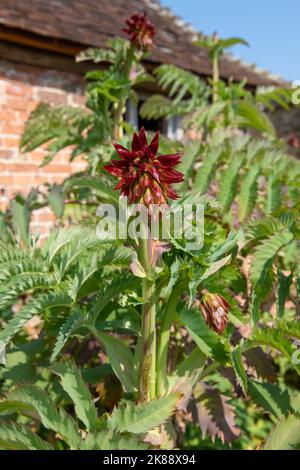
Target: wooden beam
{"type": "Point", "coordinates": [45, 59]}
{"type": "Point", "coordinates": [26, 38]}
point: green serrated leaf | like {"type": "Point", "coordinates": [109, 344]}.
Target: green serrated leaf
{"type": "Point", "coordinates": [207, 340]}
{"type": "Point", "coordinates": [59, 422]}
{"type": "Point", "coordinates": [271, 398]}
{"type": "Point", "coordinates": [238, 367]}
{"type": "Point", "coordinates": [73, 321]}
{"type": "Point", "coordinates": [141, 418]}
{"type": "Point", "coordinates": [73, 384]}
{"type": "Point", "coordinates": [228, 185]}
{"type": "Point", "coordinates": [206, 172]}
{"type": "Point", "coordinates": [121, 360]}
{"type": "Point", "coordinates": [285, 435]}
{"type": "Point", "coordinates": [248, 193]}
{"type": "Point", "coordinates": [16, 437]}
{"type": "Point", "coordinates": [56, 200]}
{"type": "Point", "coordinates": [284, 284]}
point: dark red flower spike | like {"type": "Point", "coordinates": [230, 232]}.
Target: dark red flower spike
{"type": "Point", "coordinates": [144, 176]}
{"type": "Point", "coordinates": [140, 31]}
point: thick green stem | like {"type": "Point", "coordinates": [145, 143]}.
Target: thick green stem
{"type": "Point", "coordinates": [164, 338]}
{"type": "Point", "coordinates": [216, 77]}
{"type": "Point", "coordinates": [119, 118]}
{"type": "Point", "coordinates": [210, 369]}
{"type": "Point", "coordinates": [121, 107]}
{"type": "Point", "coordinates": [148, 349]}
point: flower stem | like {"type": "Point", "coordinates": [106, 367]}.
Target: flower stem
{"type": "Point", "coordinates": [121, 106]}
{"type": "Point", "coordinates": [164, 338]}
{"type": "Point", "coordinates": [216, 77]}
{"type": "Point", "coordinates": [119, 119]}
{"type": "Point", "coordinates": [148, 349]}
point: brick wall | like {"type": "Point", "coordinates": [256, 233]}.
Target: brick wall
{"type": "Point", "coordinates": [21, 89]}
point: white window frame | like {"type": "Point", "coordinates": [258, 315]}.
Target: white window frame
{"type": "Point", "coordinates": [174, 129]}
{"type": "Point", "coordinates": [172, 126]}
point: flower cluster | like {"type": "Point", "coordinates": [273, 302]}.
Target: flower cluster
{"type": "Point", "coordinates": [215, 311]}
{"type": "Point", "coordinates": [140, 31]}
{"type": "Point", "coordinates": [145, 177]}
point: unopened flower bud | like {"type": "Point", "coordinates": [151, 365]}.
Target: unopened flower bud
{"type": "Point", "coordinates": [215, 311]}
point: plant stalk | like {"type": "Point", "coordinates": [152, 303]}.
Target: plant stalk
{"type": "Point", "coordinates": [164, 338]}
{"type": "Point", "coordinates": [147, 383]}
{"type": "Point", "coordinates": [119, 119]}
{"type": "Point", "coordinates": [216, 77]}
{"type": "Point", "coordinates": [121, 107]}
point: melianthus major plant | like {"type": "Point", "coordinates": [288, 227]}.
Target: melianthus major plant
{"type": "Point", "coordinates": [188, 338]}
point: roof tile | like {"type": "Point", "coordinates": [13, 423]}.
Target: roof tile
{"type": "Point", "coordinates": [91, 22]}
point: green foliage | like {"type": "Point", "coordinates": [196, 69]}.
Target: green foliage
{"type": "Point", "coordinates": [72, 383]}
{"type": "Point", "coordinates": [207, 341]}
{"type": "Point", "coordinates": [74, 320]}
{"type": "Point", "coordinates": [14, 437]}
{"type": "Point", "coordinates": [144, 417]}
{"type": "Point", "coordinates": [285, 435]}
{"type": "Point", "coordinates": [122, 361]}
{"type": "Point", "coordinates": [249, 116]}
{"type": "Point", "coordinates": [186, 91]}
{"type": "Point", "coordinates": [262, 275]}
{"type": "Point", "coordinates": [60, 127]}
{"type": "Point", "coordinates": [115, 432]}
{"type": "Point", "coordinates": [216, 415]}
{"type": "Point", "coordinates": [95, 183]}
{"type": "Point", "coordinates": [34, 307]}
{"type": "Point", "coordinates": [51, 418]}
{"type": "Point", "coordinates": [64, 271]}
{"type": "Point", "coordinates": [206, 172]}
{"type": "Point", "coordinates": [270, 98]}
{"type": "Point", "coordinates": [217, 46]}
{"type": "Point", "coordinates": [248, 193]}
{"type": "Point", "coordinates": [56, 200]}
{"type": "Point", "coordinates": [237, 364]}
{"type": "Point", "coordinates": [21, 218]}
{"type": "Point", "coordinates": [270, 398]}
{"type": "Point", "coordinates": [228, 185]}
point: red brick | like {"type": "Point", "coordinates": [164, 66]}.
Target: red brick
{"type": "Point", "coordinates": [7, 154]}
{"type": "Point", "coordinates": [25, 87]}
{"type": "Point", "coordinates": [21, 104]}
{"type": "Point", "coordinates": [78, 99]}
{"type": "Point", "coordinates": [9, 142]}
{"type": "Point", "coordinates": [24, 167]}
{"type": "Point", "coordinates": [18, 89]}
{"type": "Point", "coordinates": [46, 217]}
{"type": "Point", "coordinates": [6, 180]}
{"type": "Point", "coordinates": [40, 180]}
{"type": "Point", "coordinates": [11, 128]}
{"type": "Point", "coordinates": [57, 169]}
{"type": "Point", "coordinates": [7, 115]}
{"type": "Point", "coordinates": [22, 181]}
{"type": "Point", "coordinates": [51, 97]}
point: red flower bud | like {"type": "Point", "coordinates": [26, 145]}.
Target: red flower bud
{"type": "Point", "coordinates": [215, 311]}
{"type": "Point", "coordinates": [293, 141]}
